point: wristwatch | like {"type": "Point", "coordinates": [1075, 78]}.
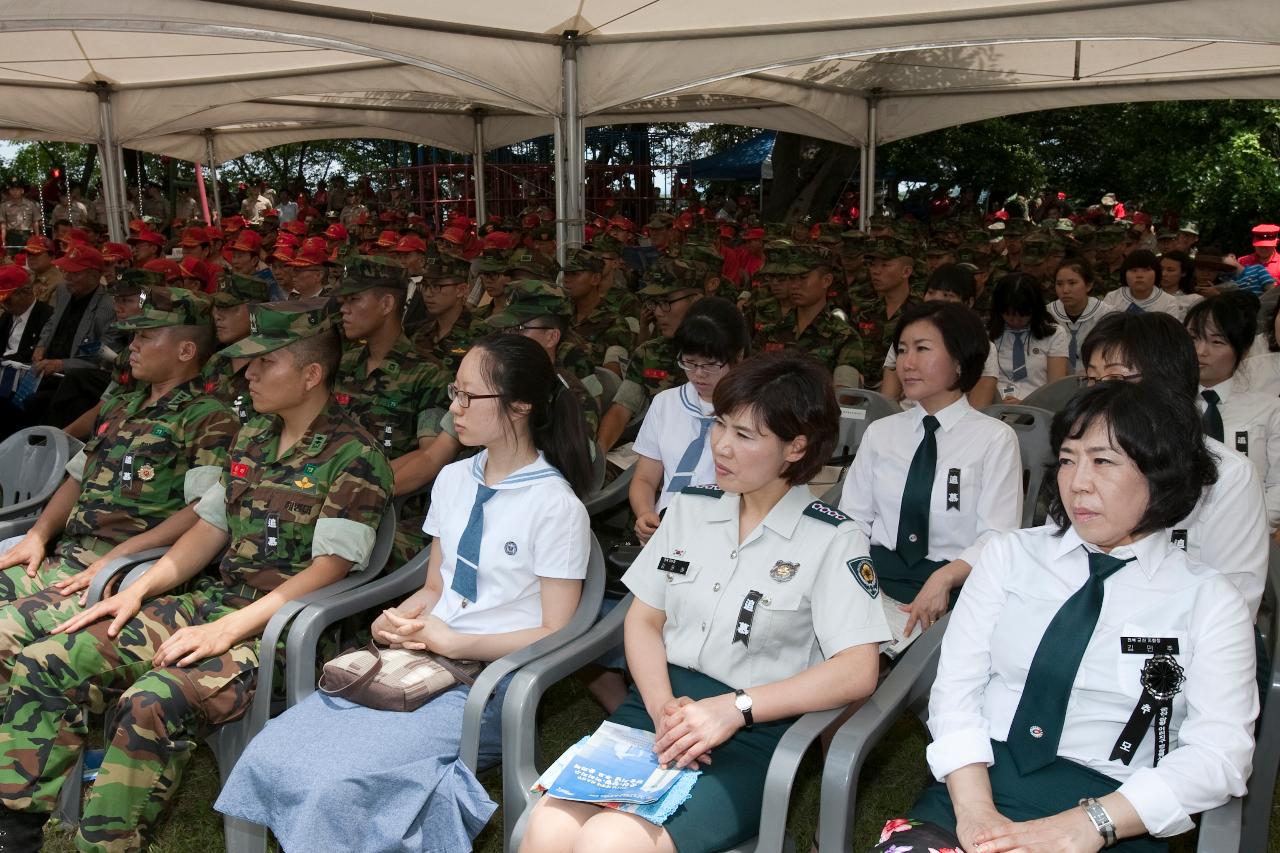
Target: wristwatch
{"type": "Point", "coordinates": [1101, 820]}
{"type": "Point", "coordinates": [742, 702]}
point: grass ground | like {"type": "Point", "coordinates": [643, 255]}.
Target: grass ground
{"type": "Point", "coordinates": [892, 777]}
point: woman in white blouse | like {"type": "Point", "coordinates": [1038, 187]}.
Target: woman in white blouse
{"type": "Point", "coordinates": [1022, 332]}
{"type": "Point", "coordinates": [1140, 292]}
{"type": "Point", "coordinates": [1072, 641]}
{"type": "Point", "coordinates": [928, 509]}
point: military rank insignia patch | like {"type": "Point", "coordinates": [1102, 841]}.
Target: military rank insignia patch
{"type": "Point", "coordinates": [146, 473]}
{"type": "Point", "coordinates": [864, 572]}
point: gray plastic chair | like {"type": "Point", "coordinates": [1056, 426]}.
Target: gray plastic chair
{"type": "Point", "coordinates": [859, 407]}
{"type": "Point", "coordinates": [520, 739]}
{"type": "Point", "coordinates": [1032, 425]}
{"type": "Point", "coordinates": [610, 382]}
{"type": "Point", "coordinates": [1055, 396]}
{"type": "Point", "coordinates": [32, 466]}
{"type": "Point", "coordinates": [611, 496]}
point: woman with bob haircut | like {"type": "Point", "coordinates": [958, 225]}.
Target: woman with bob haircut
{"type": "Point", "coordinates": [1076, 311]}
{"type": "Point", "coordinates": [754, 604]}
{"type": "Point", "coordinates": [1022, 332]}
{"type": "Point", "coordinates": [1095, 685]}
{"type": "Point", "coordinates": [947, 283]}
{"type": "Point", "coordinates": [1248, 422]}
{"type": "Point", "coordinates": [1178, 278]}
{"type": "Point", "coordinates": [1140, 290]}
{"type": "Point", "coordinates": [672, 443]}
{"type": "Point", "coordinates": [511, 541]}
{"type": "Point", "coordinates": [930, 485]}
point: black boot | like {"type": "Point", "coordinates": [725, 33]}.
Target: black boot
{"type": "Point", "coordinates": [21, 832]}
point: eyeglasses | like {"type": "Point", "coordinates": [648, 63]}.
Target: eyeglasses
{"type": "Point", "coordinates": [463, 399]}
{"type": "Point", "coordinates": [1091, 381]}
{"type": "Point", "coordinates": [700, 367]}
{"type": "Point", "coordinates": [665, 304]}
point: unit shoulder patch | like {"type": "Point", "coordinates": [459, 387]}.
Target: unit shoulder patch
{"type": "Point", "coordinates": [865, 573]}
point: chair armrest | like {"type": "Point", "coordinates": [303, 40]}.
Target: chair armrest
{"type": "Point", "coordinates": [584, 615]}
{"type": "Point", "coordinates": [520, 708]}
{"type": "Point", "coordinates": [118, 567]}
{"type": "Point", "coordinates": [781, 776]}
{"type": "Point", "coordinates": [300, 648]}
{"type": "Point", "coordinates": [1220, 828]}
{"type": "Point", "coordinates": [906, 684]}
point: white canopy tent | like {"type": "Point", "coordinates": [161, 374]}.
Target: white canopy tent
{"type": "Point", "coordinates": [240, 74]}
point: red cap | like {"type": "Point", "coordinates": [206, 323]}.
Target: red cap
{"type": "Point", "coordinates": [363, 219]}
{"type": "Point", "coordinates": [388, 216]}
{"type": "Point", "coordinates": [193, 237]}
{"type": "Point", "coordinates": [1266, 235]}
{"type": "Point", "coordinates": [283, 253]}
{"type": "Point", "coordinates": [271, 214]}
{"type": "Point", "coordinates": [498, 240]}
{"type": "Point", "coordinates": [311, 255]}
{"type": "Point", "coordinates": [388, 238]}
{"type": "Point", "coordinates": [530, 220]}
{"type": "Point", "coordinates": [193, 267]}
{"type": "Point", "coordinates": [77, 235]}
{"type": "Point", "coordinates": [79, 258]}
{"type": "Point", "coordinates": [622, 222]}
{"type": "Point", "coordinates": [753, 234]}
{"type": "Point", "coordinates": [233, 223]}
{"type": "Point", "coordinates": [147, 236]}
{"type": "Point", "coordinates": [119, 253]}
{"type": "Point", "coordinates": [169, 269]}
{"type": "Point", "coordinates": [38, 245]}
{"type": "Point", "coordinates": [1142, 218]}
{"type": "Point", "coordinates": [247, 241]}
{"type": "Point", "coordinates": [459, 220]}
{"type": "Point", "coordinates": [295, 226]}
{"type": "Point", "coordinates": [136, 225]}
{"type": "Point", "coordinates": [456, 236]}
{"type": "Point", "coordinates": [336, 231]}
{"type": "Point", "coordinates": [284, 238]}
{"type": "Point", "coordinates": [411, 243]}
{"type": "Point", "coordinates": [12, 277]}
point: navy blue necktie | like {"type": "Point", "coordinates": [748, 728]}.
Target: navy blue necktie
{"type": "Point", "coordinates": [1019, 355]}
{"type": "Point", "coordinates": [689, 461]}
{"type": "Point", "coordinates": [1135, 308]}
{"type": "Point", "coordinates": [1212, 418]}
{"type": "Point", "coordinates": [466, 572]}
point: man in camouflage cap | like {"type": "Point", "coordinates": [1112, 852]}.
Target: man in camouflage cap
{"type": "Point", "coordinates": [398, 396]}
{"type": "Point", "coordinates": [155, 451]}
{"type": "Point", "coordinates": [813, 326]}
{"type": "Point", "coordinates": [437, 319]}
{"type": "Point", "coordinates": [224, 377]}
{"type": "Point", "coordinates": [295, 509]}
{"type": "Point", "coordinates": [1015, 231]}
{"type": "Point", "coordinates": [1110, 245]}
{"type": "Point", "coordinates": [491, 267]}
{"type": "Point", "coordinates": [616, 277]}
{"type": "Point", "coordinates": [671, 287]}
{"type": "Point", "coordinates": [889, 266]}
{"type": "Point", "coordinates": [609, 337]}
{"type": "Point", "coordinates": [769, 298]}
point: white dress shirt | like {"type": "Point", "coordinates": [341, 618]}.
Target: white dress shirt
{"type": "Point", "coordinates": [1260, 372]}
{"type": "Point", "coordinates": [983, 450]}
{"type": "Point", "coordinates": [16, 330]}
{"type": "Point", "coordinates": [1037, 351]}
{"type": "Point", "coordinates": [1080, 327]}
{"type": "Point", "coordinates": [1016, 588]}
{"type": "Point", "coordinates": [534, 527]}
{"type": "Point", "coordinates": [1251, 426]}
{"type": "Point", "coordinates": [671, 423]}
{"type": "Point", "coordinates": [1121, 299]}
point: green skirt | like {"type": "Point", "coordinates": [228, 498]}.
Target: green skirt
{"type": "Point", "coordinates": [902, 581]}
{"type": "Point", "coordinates": [1041, 793]}
{"type": "Point", "coordinates": [724, 808]}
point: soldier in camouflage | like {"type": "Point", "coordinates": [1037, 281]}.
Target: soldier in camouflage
{"type": "Point", "coordinates": [540, 311]}
{"type": "Point", "coordinates": [813, 326]}
{"type": "Point", "coordinates": [296, 509]}
{"type": "Point", "coordinates": [616, 277]}
{"type": "Point", "coordinates": [889, 265]}
{"type": "Point", "coordinates": [609, 336]}
{"type": "Point", "coordinates": [224, 377]}
{"type": "Point", "coordinates": [437, 319]}
{"type": "Point", "coordinates": [155, 451]}
{"type": "Point", "coordinates": [494, 278]}
{"type": "Point", "coordinates": [671, 287]}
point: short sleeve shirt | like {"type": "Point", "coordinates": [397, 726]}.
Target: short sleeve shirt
{"type": "Point", "coordinates": [534, 527]}
{"type": "Point", "coordinates": [400, 401]}
{"type": "Point", "coordinates": [802, 583]}
{"type": "Point", "coordinates": [670, 427]}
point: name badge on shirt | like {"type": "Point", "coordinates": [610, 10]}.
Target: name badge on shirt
{"type": "Point", "coordinates": [126, 470]}
{"type": "Point", "coordinates": [271, 544]}
{"type": "Point", "coordinates": [953, 489]}
{"type": "Point", "coordinates": [746, 615]}
{"type": "Point", "coordinates": [1149, 646]}
{"type": "Point", "coordinates": [1242, 442]}
{"type": "Point", "coordinates": [1178, 538]}
{"type": "Point", "coordinates": [674, 566]}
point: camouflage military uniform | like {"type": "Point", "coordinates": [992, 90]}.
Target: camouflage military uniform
{"type": "Point", "coordinates": [609, 335]}
{"type": "Point", "coordinates": [652, 368]}
{"type": "Point", "coordinates": [876, 330]}
{"type": "Point", "coordinates": [828, 338]}
{"type": "Point", "coordinates": [229, 385]}
{"type": "Point", "coordinates": [324, 496]}
{"type": "Point", "coordinates": [449, 350]}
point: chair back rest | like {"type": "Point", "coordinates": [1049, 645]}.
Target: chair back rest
{"type": "Point", "coordinates": [1031, 424]}
{"type": "Point", "coordinates": [32, 463]}
{"type": "Point", "coordinates": [611, 382]}
{"type": "Point", "coordinates": [859, 407]}
{"type": "Point", "coordinates": [383, 542]}
{"type": "Point", "coordinates": [1055, 396]}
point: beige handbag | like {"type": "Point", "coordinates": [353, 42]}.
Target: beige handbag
{"type": "Point", "coordinates": [394, 679]}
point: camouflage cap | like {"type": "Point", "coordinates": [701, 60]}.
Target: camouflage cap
{"type": "Point", "coordinates": [543, 232]}
{"type": "Point", "coordinates": [1035, 248]}
{"type": "Point", "coordinates": [163, 307]}
{"type": "Point", "coordinates": [603, 244]}
{"type": "Point", "coordinates": [579, 259]}
{"type": "Point", "coordinates": [492, 260]}
{"type": "Point", "coordinates": [973, 257]}
{"type": "Point", "coordinates": [447, 268]}
{"type": "Point", "coordinates": [235, 289]}
{"type": "Point", "coordinates": [1110, 235]}
{"type": "Point", "coordinates": [702, 254]}
{"type": "Point", "coordinates": [366, 273]}
{"type": "Point", "coordinates": [132, 282]}
{"type": "Point", "coordinates": [809, 256]}
{"type": "Point", "coordinates": [531, 298]}
{"type": "Point", "coordinates": [886, 248]}
{"type": "Point", "coordinates": [778, 259]}
{"type": "Point", "coordinates": [670, 275]}
{"type": "Point", "coordinates": [828, 233]}
{"type": "Point", "coordinates": [1016, 228]}
{"type": "Point", "coordinates": [275, 325]}
{"type": "Point", "coordinates": [536, 264]}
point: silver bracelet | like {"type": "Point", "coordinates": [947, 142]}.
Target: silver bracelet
{"type": "Point", "coordinates": [1101, 820]}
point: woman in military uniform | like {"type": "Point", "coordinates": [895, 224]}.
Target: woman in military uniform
{"type": "Point", "coordinates": [1069, 645]}
{"type": "Point", "coordinates": [754, 604]}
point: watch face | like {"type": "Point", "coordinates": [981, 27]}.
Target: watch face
{"type": "Point", "coordinates": [742, 702]}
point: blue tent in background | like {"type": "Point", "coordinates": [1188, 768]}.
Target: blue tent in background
{"type": "Point", "coordinates": [746, 161]}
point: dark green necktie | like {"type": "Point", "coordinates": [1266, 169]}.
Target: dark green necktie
{"type": "Point", "coordinates": [1037, 724]}
{"type": "Point", "coordinates": [1212, 418]}
{"type": "Point", "coordinates": [913, 518]}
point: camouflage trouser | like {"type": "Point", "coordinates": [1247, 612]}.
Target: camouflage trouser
{"type": "Point", "coordinates": [71, 556]}
{"type": "Point", "coordinates": [160, 715]}
{"type": "Point", "coordinates": [28, 619]}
